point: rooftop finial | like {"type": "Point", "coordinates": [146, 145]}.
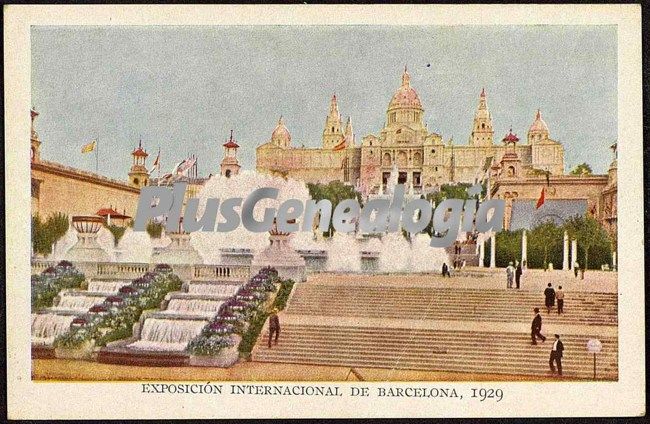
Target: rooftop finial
{"type": "Point", "coordinates": [483, 92]}
{"type": "Point", "coordinates": [231, 135]}
{"type": "Point", "coordinates": [406, 78]}
{"type": "Point", "coordinates": [539, 114]}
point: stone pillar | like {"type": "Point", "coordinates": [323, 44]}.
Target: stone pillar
{"type": "Point", "coordinates": [524, 248]}
{"type": "Point", "coordinates": [565, 252]}
{"type": "Point", "coordinates": [481, 253]}
{"type": "Point", "coordinates": [614, 264]}
{"type": "Point", "coordinates": [574, 253]}
{"type": "Point", "coordinates": [493, 252]}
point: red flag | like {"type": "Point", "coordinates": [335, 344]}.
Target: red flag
{"type": "Point", "coordinates": [540, 201]}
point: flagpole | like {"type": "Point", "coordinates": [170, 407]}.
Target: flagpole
{"type": "Point", "coordinates": [97, 156]}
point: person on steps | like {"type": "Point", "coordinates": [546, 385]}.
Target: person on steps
{"type": "Point", "coordinates": [536, 328]}
{"type": "Point", "coordinates": [274, 326]}
{"type": "Point", "coordinates": [445, 270]}
{"type": "Point", "coordinates": [510, 274]}
{"type": "Point", "coordinates": [549, 295]}
{"type": "Point", "coordinates": [556, 355]}
{"type": "Point", "coordinates": [518, 272]}
{"type": "Point", "coordinates": [559, 295]}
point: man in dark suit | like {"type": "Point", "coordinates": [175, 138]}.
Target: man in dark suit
{"type": "Point", "coordinates": [549, 298]}
{"type": "Point", "coordinates": [536, 328]}
{"type": "Point", "coordinates": [518, 273]}
{"type": "Point", "coordinates": [556, 355]}
{"type": "Point", "coordinates": [274, 326]}
{"type": "Point", "coordinates": [445, 270]}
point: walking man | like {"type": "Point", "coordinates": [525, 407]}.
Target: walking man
{"type": "Point", "coordinates": [576, 267]}
{"type": "Point", "coordinates": [445, 270]}
{"type": "Point", "coordinates": [556, 355]}
{"type": "Point", "coordinates": [518, 273]}
{"type": "Point", "coordinates": [559, 295]}
{"type": "Point", "coordinates": [274, 326]}
{"type": "Point", "coordinates": [536, 328]}
{"type": "Point", "coordinates": [549, 300]}
{"type": "Point", "coordinates": [510, 273]}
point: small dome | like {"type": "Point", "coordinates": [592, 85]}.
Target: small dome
{"type": "Point", "coordinates": [539, 125]}
{"type": "Point", "coordinates": [405, 96]}
{"type": "Point", "coordinates": [510, 137]}
{"type": "Point", "coordinates": [281, 134]}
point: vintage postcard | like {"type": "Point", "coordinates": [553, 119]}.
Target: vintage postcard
{"type": "Point", "coordinates": [324, 211]}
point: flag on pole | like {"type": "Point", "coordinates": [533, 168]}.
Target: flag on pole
{"type": "Point", "coordinates": [87, 148]}
{"type": "Point", "coordinates": [156, 163]}
{"type": "Point", "coordinates": [185, 166]}
{"type": "Point", "coordinates": [540, 201]}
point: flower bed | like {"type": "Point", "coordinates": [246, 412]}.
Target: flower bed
{"type": "Point", "coordinates": [114, 319]}
{"type": "Point", "coordinates": [222, 336]}
{"type": "Point", "coordinates": [47, 285]}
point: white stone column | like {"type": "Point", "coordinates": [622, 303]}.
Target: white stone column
{"type": "Point", "coordinates": [565, 252]}
{"type": "Point", "coordinates": [614, 264]}
{"type": "Point", "coordinates": [524, 248]}
{"type": "Point", "coordinates": [574, 253]}
{"type": "Point", "coordinates": [493, 252]}
{"type": "Point", "coordinates": [481, 253]}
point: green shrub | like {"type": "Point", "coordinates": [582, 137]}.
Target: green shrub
{"type": "Point", "coordinates": [117, 232]}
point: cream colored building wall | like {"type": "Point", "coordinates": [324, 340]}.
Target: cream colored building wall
{"type": "Point", "coordinates": [76, 193]}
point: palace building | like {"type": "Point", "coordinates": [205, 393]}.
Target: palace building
{"type": "Point", "coordinates": [421, 158]}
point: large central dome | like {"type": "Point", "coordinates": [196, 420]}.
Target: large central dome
{"type": "Point", "coordinates": [405, 96]}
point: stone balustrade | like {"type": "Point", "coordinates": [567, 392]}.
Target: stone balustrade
{"type": "Point", "coordinates": [131, 270]}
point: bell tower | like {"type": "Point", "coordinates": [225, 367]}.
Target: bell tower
{"type": "Point", "coordinates": [332, 133]}
{"type": "Point", "coordinates": [138, 175]}
{"type": "Point", "coordinates": [482, 131]}
{"type": "Point", "coordinates": [229, 164]}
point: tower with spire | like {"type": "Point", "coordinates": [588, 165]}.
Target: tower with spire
{"type": "Point", "coordinates": [139, 175]}
{"type": "Point", "coordinates": [482, 131]}
{"type": "Point", "coordinates": [230, 164]}
{"type": "Point", "coordinates": [349, 133]}
{"type": "Point", "coordinates": [35, 142]}
{"type": "Point", "coordinates": [332, 133]}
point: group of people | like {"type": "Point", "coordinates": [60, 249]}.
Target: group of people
{"type": "Point", "coordinates": [557, 349]}
{"type": "Point", "coordinates": [457, 264]}
{"type": "Point", "coordinates": [513, 273]}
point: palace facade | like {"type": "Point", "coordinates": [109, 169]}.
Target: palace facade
{"type": "Point", "coordinates": [421, 158]}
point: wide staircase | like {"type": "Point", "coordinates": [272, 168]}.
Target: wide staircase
{"type": "Point", "coordinates": [410, 327]}
{"type": "Point", "coordinates": [448, 303]}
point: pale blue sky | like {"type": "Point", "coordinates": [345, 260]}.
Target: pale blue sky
{"type": "Point", "coordinates": [184, 88]}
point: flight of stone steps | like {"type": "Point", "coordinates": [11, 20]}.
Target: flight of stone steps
{"type": "Point", "coordinates": [434, 350]}
{"type": "Point", "coordinates": [407, 327]}
{"type": "Point", "coordinates": [480, 305]}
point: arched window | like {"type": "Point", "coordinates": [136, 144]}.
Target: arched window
{"type": "Point", "coordinates": [402, 160]}
{"type": "Point", "coordinates": [417, 159]}
{"type": "Point", "coordinates": [483, 125]}
{"type": "Point", "coordinates": [227, 173]}
{"type": "Point", "coordinates": [136, 181]}
{"type": "Point", "coordinates": [386, 160]}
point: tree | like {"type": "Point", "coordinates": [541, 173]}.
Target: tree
{"type": "Point", "coordinates": [582, 169]}
{"type": "Point", "coordinates": [545, 237]}
{"type": "Point", "coordinates": [117, 232]}
{"type": "Point", "coordinates": [589, 234]}
{"type": "Point", "coordinates": [334, 191]}
{"type": "Point", "coordinates": [46, 233]}
{"type": "Point", "coordinates": [154, 229]}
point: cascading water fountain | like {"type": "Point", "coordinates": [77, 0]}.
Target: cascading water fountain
{"type": "Point", "coordinates": [225, 290]}
{"type": "Point", "coordinates": [135, 246]}
{"type": "Point", "coordinates": [108, 287]}
{"type": "Point", "coordinates": [160, 334]}
{"type": "Point", "coordinates": [343, 253]}
{"type": "Point", "coordinates": [194, 306]}
{"type": "Point", "coordinates": [48, 326]}
{"type": "Point", "coordinates": [77, 301]}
